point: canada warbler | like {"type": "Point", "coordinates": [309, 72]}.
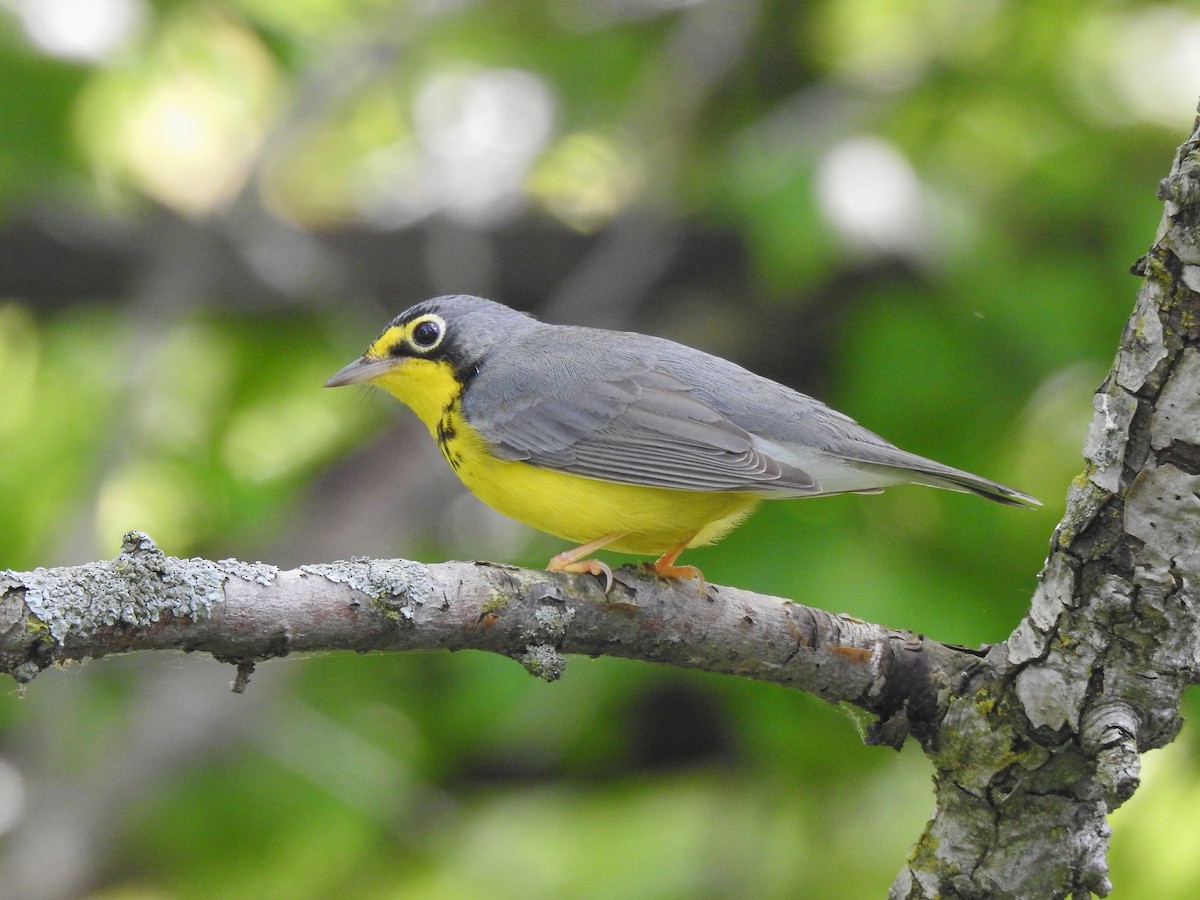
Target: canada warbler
{"type": "Point", "coordinates": [620, 440]}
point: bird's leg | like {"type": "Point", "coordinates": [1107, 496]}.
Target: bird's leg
{"type": "Point", "coordinates": [664, 566]}
{"type": "Point", "coordinates": [573, 560]}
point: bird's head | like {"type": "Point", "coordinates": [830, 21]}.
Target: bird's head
{"type": "Point", "coordinates": [429, 353]}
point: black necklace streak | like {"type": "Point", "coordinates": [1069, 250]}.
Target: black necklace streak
{"type": "Point", "coordinates": [446, 432]}
{"type": "Point", "coordinates": [464, 374]}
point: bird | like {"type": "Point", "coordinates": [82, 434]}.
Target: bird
{"type": "Point", "coordinates": [620, 440]}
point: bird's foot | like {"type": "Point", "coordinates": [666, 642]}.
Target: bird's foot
{"type": "Point", "coordinates": [572, 561]}
{"type": "Point", "coordinates": [582, 566]}
{"type": "Point", "coordinates": [664, 567]}
{"type": "Point", "coordinates": [690, 572]}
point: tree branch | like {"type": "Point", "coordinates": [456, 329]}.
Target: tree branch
{"type": "Point", "coordinates": [242, 612]}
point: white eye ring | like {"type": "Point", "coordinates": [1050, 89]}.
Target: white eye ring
{"type": "Point", "coordinates": [427, 333]}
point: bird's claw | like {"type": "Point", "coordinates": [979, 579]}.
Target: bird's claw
{"type": "Point", "coordinates": [670, 570]}
{"type": "Point", "coordinates": [563, 563]}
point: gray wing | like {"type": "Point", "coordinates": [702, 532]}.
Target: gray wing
{"type": "Point", "coordinates": [642, 410]}
{"type": "Point", "coordinates": [606, 410]}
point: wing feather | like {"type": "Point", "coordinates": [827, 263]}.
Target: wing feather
{"type": "Point", "coordinates": [617, 416]}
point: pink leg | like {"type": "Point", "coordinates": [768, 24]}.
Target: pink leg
{"type": "Point", "coordinates": [665, 567]}
{"type": "Point", "coordinates": [573, 560]}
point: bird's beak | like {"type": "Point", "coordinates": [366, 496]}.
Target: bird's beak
{"type": "Point", "coordinates": [360, 371]}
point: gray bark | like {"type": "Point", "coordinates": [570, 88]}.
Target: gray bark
{"type": "Point", "coordinates": [243, 613]}
{"type": "Point", "coordinates": [1034, 740]}
{"type": "Point", "coordinates": [1042, 740]}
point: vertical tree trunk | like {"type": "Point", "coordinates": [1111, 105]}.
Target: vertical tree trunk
{"type": "Point", "coordinates": [1042, 739]}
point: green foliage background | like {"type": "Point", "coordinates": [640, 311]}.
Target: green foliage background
{"type": "Point", "coordinates": [921, 211]}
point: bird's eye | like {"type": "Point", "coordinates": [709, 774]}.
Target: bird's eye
{"type": "Point", "coordinates": [427, 334]}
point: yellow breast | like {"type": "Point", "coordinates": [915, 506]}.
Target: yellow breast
{"type": "Point", "coordinates": [652, 520]}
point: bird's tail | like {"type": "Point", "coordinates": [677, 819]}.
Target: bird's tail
{"type": "Point", "coordinates": [957, 480]}
{"type": "Point", "coordinates": [909, 467]}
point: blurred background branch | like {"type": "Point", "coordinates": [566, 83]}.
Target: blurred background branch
{"type": "Point", "coordinates": [922, 213]}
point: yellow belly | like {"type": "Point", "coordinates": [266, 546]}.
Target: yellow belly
{"type": "Point", "coordinates": [651, 520]}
